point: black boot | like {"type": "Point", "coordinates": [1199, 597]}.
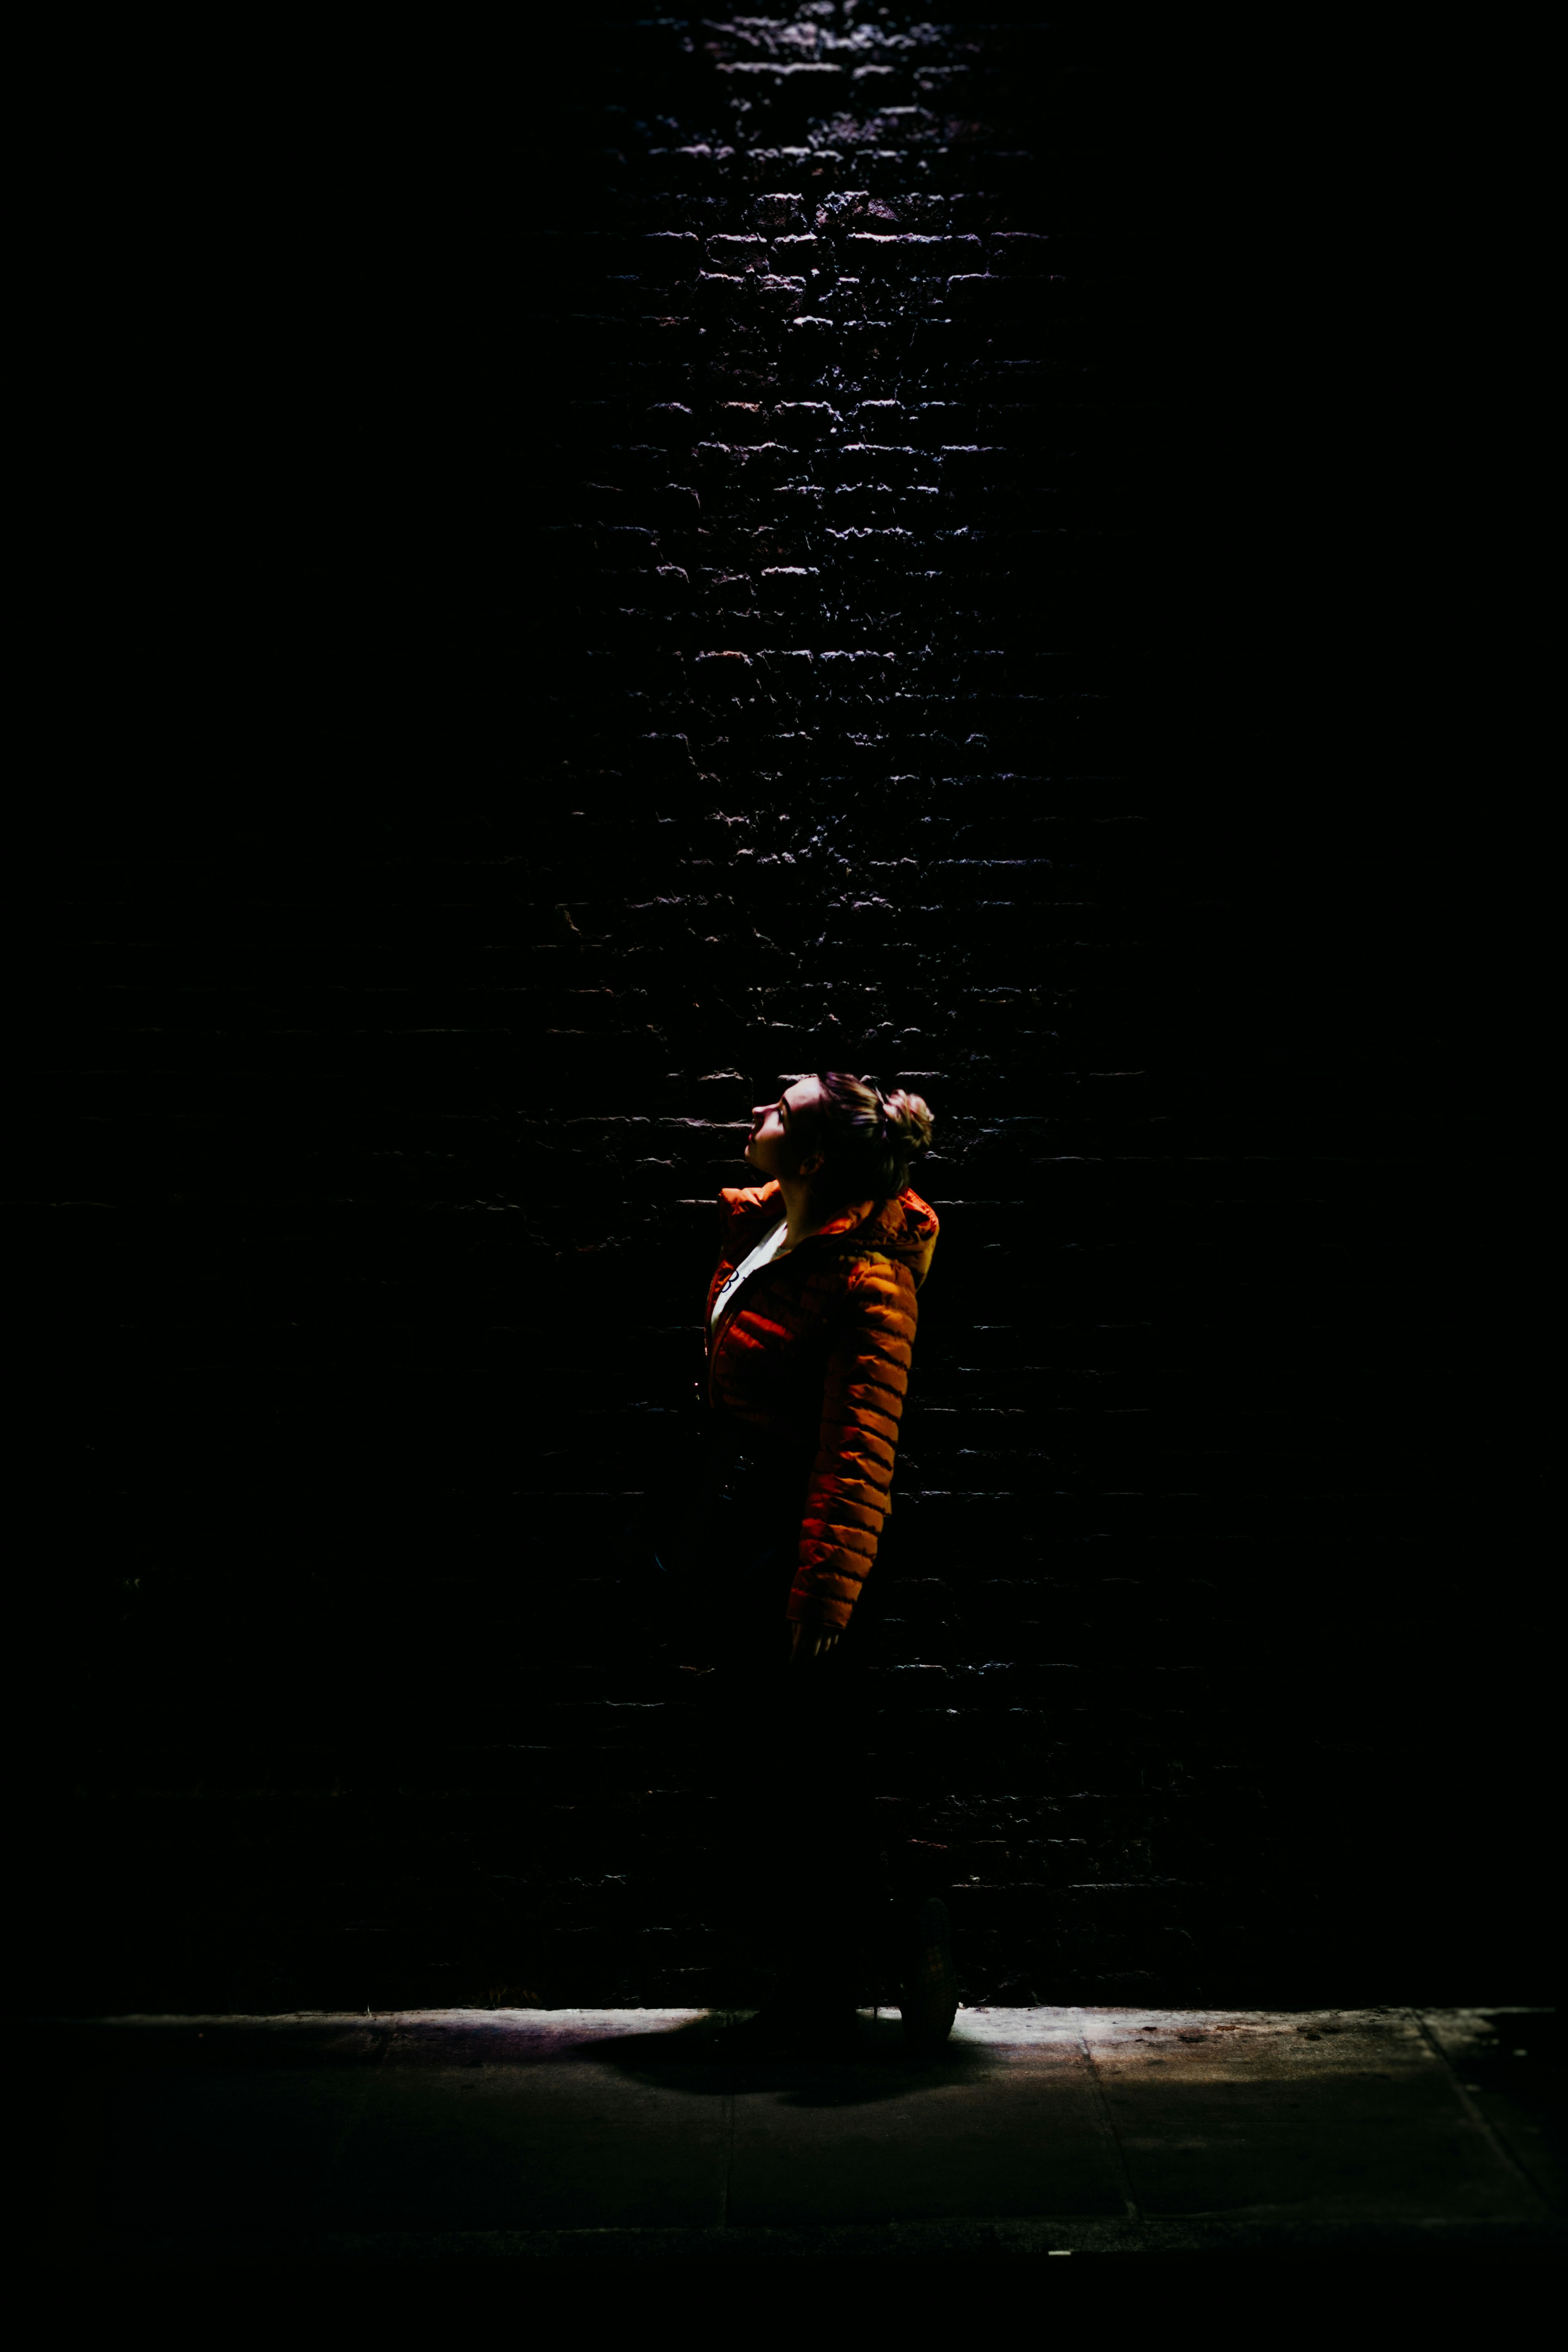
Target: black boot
{"type": "Point", "coordinates": [928, 1994]}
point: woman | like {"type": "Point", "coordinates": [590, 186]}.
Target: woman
{"type": "Point", "coordinates": [810, 1321]}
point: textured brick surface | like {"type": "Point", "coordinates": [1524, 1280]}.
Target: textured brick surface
{"type": "Point", "coordinates": [870, 687]}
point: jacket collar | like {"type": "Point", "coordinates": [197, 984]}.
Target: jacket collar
{"type": "Point", "coordinates": [904, 1228]}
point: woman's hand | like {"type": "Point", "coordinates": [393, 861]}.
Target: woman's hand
{"type": "Point", "coordinates": [810, 1641]}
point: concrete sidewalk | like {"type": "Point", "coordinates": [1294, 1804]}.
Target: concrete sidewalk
{"type": "Point", "coordinates": [601, 2133]}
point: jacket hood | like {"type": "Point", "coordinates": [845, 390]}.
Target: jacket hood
{"type": "Point", "coordinates": [904, 1228]}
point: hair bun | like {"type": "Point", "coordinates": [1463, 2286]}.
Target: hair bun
{"type": "Point", "coordinates": [909, 1118]}
{"type": "Point", "coordinates": [867, 1138]}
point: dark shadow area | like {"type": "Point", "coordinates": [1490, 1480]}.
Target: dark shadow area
{"type": "Point", "coordinates": [590, 602]}
{"type": "Point", "coordinates": [880, 2069]}
{"type": "Point", "coordinates": [679, 2057]}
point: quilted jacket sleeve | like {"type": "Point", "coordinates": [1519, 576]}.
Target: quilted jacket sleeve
{"type": "Point", "coordinates": [851, 1478]}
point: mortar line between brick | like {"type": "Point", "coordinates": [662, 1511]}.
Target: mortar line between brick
{"type": "Point", "coordinates": [1488, 2131]}
{"type": "Point", "coordinates": [1108, 2129]}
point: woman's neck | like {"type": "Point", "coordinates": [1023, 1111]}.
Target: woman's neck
{"type": "Point", "coordinates": [801, 1219]}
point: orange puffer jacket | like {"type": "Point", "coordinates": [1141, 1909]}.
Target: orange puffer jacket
{"type": "Point", "coordinates": [813, 1351]}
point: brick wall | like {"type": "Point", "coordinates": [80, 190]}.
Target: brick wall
{"type": "Point", "coordinates": [893, 678]}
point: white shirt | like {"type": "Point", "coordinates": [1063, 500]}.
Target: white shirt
{"type": "Point", "coordinates": [767, 1249]}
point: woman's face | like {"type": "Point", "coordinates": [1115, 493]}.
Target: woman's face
{"type": "Point", "coordinates": [777, 1147]}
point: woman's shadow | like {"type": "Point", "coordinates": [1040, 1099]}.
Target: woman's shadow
{"type": "Point", "coordinates": [880, 2066]}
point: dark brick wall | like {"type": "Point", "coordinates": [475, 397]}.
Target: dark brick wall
{"type": "Point", "coordinates": [822, 551]}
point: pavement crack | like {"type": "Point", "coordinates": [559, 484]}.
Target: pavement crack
{"type": "Point", "coordinates": [1496, 2140]}
{"type": "Point", "coordinates": [1107, 2130]}
{"type": "Point", "coordinates": [729, 2132]}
